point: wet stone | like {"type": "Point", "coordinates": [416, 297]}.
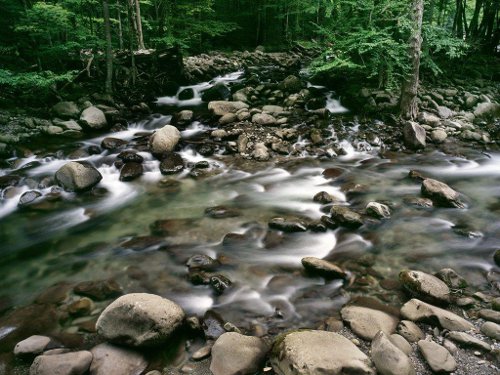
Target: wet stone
{"type": "Point", "coordinates": [367, 322]}
{"type": "Point", "coordinates": [202, 164]}
{"type": "Point", "coordinates": [73, 363]}
{"type": "Point", "coordinates": [346, 217]}
{"type": "Point", "coordinates": [441, 194]}
{"type": "Point", "coordinates": [332, 172]}
{"type": "Point", "coordinates": [220, 283]}
{"type": "Point", "coordinates": [81, 307]}
{"type": "Point", "coordinates": [110, 143]}
{"type": "Point", "coordinates": [213, 325]}
{"type": "Point", "coordinates": [130, 157]}
{"type": "Point", "coordinates": [451, 278]}
{"type": "Point", "coordinates": [425, 286]}
{"type": "Point", "coordinates": [29, 197]}
{"type": "Point", "coordinates": [172, 164]}
{"type": "Point", "coordinates": [323, 197]}
{"type": "Point", "coordinates": [378, 210]}
{"type": "Point", "coordinates": [143, 243]}
{"type": "Point", "coordinates": [221, 212]}
{"type": "Point", "coordinates": [418, 202]}
{"type": "Point", "coordinates": [202, 353]}
{"type": "Point", "coordinates": [287, 226]}
{"type": "Point", "coordinates": [169, 227]}
{"type": "Point", "coordinates": [323, 268]}
{"type": "Point", "coordinates": [98, 290]}
{"type": "Point", "coordinates": [130, 171]}
{"type": "Point", "coordinates": [202, 262]}
{"type": "Point", "coordinates": [205, 149]}
{"type": "Point", "coordinates": [329, 222]}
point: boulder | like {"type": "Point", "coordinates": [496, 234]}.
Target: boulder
{"type": "Point", "coordinates": [183, 117]}
{"type": "Point", "coordinates": [220, 108]}
{"type": "Point", "coordinates": [441, 194]}
{"type": "Point", "coordinates": [140, 320]}
{"type": "Point", "coordinates": [323, 268]}
{"type": "Point", "coordinates": [32, 346]}
{"type": "Point", "coordinates": [444, 112]}
{"type": "Point", "coordinates": [378, 210]}
{"type": "Point", "coordinates": [287, 226]}
{"type": "Point", "coordinates": [439, 358]}
{"type": "Point", "coordinates": [346, 217]}
{"type": "Point", "coordinates": [451, 278]}
{"type": "Point", "coordinates": [414, 135]}
{"type": "Point", "coordinates": [439, 135]}
{"type": "Point", "coordinates": [236, 354]}
{"type": "Point", "coordinates": [487, 109]}
{"type": "Point", "coordinates": [318, 352]}
{"type": "Point", "coordinates": [164, 140]}
{"type": "Point", "coordinates": [261, 152]}
{"type": "Point", "coordinates": [73, 363]}
{"type": "Point", "coordinates": [291, 84]}
{"type": "Point", "coordinates": [66, 110]}
{"type": "Point", "coordinates": [94, 118]}
{"type": "Point", "coordinates": [29, 197]}
{"type": "Point", "coordinates": [130, 171]}
{"type": "Point", "coordinates": [78, 176]}
{"type": "Point", "coordinates": [110, 143]}
{"type": "Point", "coordinates": [490, 315]}
{"type": "Point", "coordinates": [367, 322]}
{"type": "Point", "coordinates": [491, 330]}
{"type": "Point", "coordinates": [263, 119]}
{"type": "Point", "coordinates": [172, 164]}
{"type": "Point", "coordinates": [419, 311]}
{"type": "Point", "coordinates": [219, 91]}
{"type": "Point", "coordinates": [388, 358]}
{"type": "Point", "coordinates": [425, 286]}
{"type": "Point", "coordinates": [113, 360]}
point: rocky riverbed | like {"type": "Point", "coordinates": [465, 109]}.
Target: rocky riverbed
{"type": "Point", "coordinates": [253, 224]}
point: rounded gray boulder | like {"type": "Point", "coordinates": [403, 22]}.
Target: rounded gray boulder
{"type": "Point", "coordinates": [78, 176]}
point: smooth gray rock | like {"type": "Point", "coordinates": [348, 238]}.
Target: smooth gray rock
{"type": "Point", "coordinates": [491, 315]}
{"type": "Point", "coordinates": [66, 110]}
{"type": "Point", "coordinates": [388, 358]}
{"type": "Point", "coordinates": [220, 108]}
{"type": "Point", "coordinates": [261, 153]}
{"type": "Point", "coordinates": [346, 217]}
{"type": "Point", "coordinates": [378, 210]}
{"type": "Point", "coordinates": [441, 194]}
{"type": "Point", "coordinates": [73, 363]}
{"type": "Point", "coordinates": [236, 354]}
{"type": "Point", "coordinates": [263, 119]}
{"type": "Point", "coordinates": [140, 319]}
{"type": "Point", "coordinates": [367, 322]}
{"type": "Point", "coordinates": [318, 352]}
{"type": "Point", "coordinates": [451, 278]}
{"type": "Point", "coordinates": [425, 286]}
{"type": "Point", "coordinates": [78, 176]}
{"type": "Point", "coordinates": [94, 118]}
{"type": "Point", "coordinates": [417, 311]}
{"type": "Point", "coordinates": [401, 343]}
{"type": "Point", "coordinates": [323, 268]}
{"type": "Point", "coordinates": [487, 109]}
{"type": "Point", "coordinates": [414, 135]}
{"type": "Point", "coordinates": [164, 140]}
{"type": "Point", "coordinates": [491, 330]}
{"type": "Point", "coordinates": [33, 345]}
{"type": "Point", "coordinates": [439, 358]}
{"type": "Point", "coordinates": [113, 360]}
{"type": "Point", "coordinates": [439, 135]}
{"type": "Point", "coordinates": [465, 340]}
{"type": "Point", "coordinates": [410, 331]}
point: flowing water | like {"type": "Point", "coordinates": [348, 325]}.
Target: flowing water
{"type": "Point", "coordinates": [84, 237]}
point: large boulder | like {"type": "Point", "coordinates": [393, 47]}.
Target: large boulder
{"type": "Point", "coordinates": [220, 108]}
{"type": "Point", "coordinates": [94, 118]}
{"type": "Point", "coordinates": [164, 140]}
{"type": "Point", "coordinates": [113, 360]}
{"type": "Point", "coordinates": [346, 217]}
{"type": "Point", "coordinates": [487, 109]}
{"type": "Point", "coordinates": [78, 176]}
{"type": "Point", "coordinates": [291, 84]}
{"type": "Point", "coordinates": [217, 92]}
{"type": "Point", "coordinates": [441, 194]}
{"type": "Point", "coordinates": [74, 363]}
{"type": "Point", "coordinates": [414, 135]}
{"type": "Point", "coordinates": [140, 320]}
{"type": "Point", "coordinates": [424, 286]}
{"type": "Point", "coordinates": [66, 110]}
{"type": "Point", "coordinates": [318, 352]}
{"type": "Point", "coordinates": [234, 354]}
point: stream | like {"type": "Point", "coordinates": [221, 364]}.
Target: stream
{"type": "Point", "coordinates": [109, 233]}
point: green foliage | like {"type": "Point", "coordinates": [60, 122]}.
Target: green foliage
{"type": "Point", "coordinates": [20, 84]}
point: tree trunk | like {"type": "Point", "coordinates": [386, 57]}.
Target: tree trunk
{"type": "Point", "coordinates": [120, 26]}
{"type": "Point", "coordinates": [109, 51]}
{"type": "Point", "coordinates": [409, 89]}
{"type": "Point", "coordinates": [140, 35]}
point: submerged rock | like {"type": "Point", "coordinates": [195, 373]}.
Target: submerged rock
{"type": "Point", "coordinates": [439, 358]}
{"type": "Point", "coordinates": [140, 319]}
{"type": "Point", "coordinates": [318, 352]}
{"type": "Point", "coordinates": [78, 176]}
{"type": "Point", "coordinates": [234, 353]}
{"type": "Point", "coordinates": [323, 268]}
{"type": "Point", "coordinates": [346, 217]}
{"type": "Point", "coordinates": [425, 286]}
{"type": "Point", "coordinates": [283, 225]}
{"type": "Point", "coordinates": [441, 194]}
{"type": "Point", "coordinates": [378, 210]}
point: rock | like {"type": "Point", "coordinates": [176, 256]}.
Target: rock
{"type": "Point", "coordinates": [401, 343]}
{"type": "Point", "coordinates": [219, 133]}
{"type": "Point", "coordinates": [261, 153]}
{"type": "Point", "coordinates": [219, 283]}
{"type": "Point", "coordinates": [219, 91]}
{"type": "Point", "coordinates": [220, 108]}
{"type": "Point", "coordinates": [228, 118]}
{"type": "Point", "coordinates": [496, 257]}
{"type": "Point", "coordinates": [221, 212]}
{"type": "Point", "coordinates": [418, 311]}
{"type": "Point", "coordinates": [98, 290]}
{"type": "Point", "coordinates": [291, 84]}
{"type": "Point", "coordinates": [29, 197]}
{"type": "Point", "coordinates": [439, 135]}
{"type": "Point", "coordinates": [66, 110]}
{"type": "Point", "coordinates": [323, 268]}
{"type": "Point", "coordinates": [54, 130]}
{"type": "Point", "coordinates": [428, 119]}
{"type": "Point", "coordinates": [9, 180]}
{"type": "Point", "coordinates": [33, 346]}
{"type": "Point", "coordinates": [236, 354]}
{"type": "Point", "coordinates": [487, 109]}
{"type": "Point", "coordinates": [465, 340]}
{"type": "Point", "coordinates": [491, 315]}
{"type": "Point", "coordinates": [94, 118]}
{"type": "Point", "coordinates": [263, 119]}
{"type": "Point", "coordinates": [78, 176]}
{"type": "Point", "coordinates": [81, 307]}
{"type": "Point", "coordinates": [130, 171]}
{"type": "Point", "coordinates": [378, 210]}
{"type": "Point", "coordinates": [172, 164]}
{"type": "Point", "coordinates": [346, 217]}
{"type": "Point", "coordinates": [444, 112]}
{"type": "Point", "coordinates": [110, 143]}
{"type": "Point", "coordinates": [491, 330]}
{"type": "Point", "coordinates": [388, 358]}
{"type": "Point", "coordinates": [114, 360]}
{"type": "Point", "coordinates": [202, 353]}
{"type": "Point", "coordinates": [323, 197]}
{"type": "Point", "coordinates": [140, 320]}
{"type": "Point", "coordinates": [451, 278]}
{"type": "Point", "coordinates": [410, 331]}
{"type": "Point", "coordinates": [213, 325]}
{"type": "Point", "coordinates": [367, 322]}
{"type": "Point", "coordinates": [441, 194]}
{"type": "Point", "coordinates": [318, 352]}
{"type": "Point", "coordinates": [439, 358]}
{"type": "Point", "coordinates": [183, 117]}
{"type": "Point", "coordinates": [73, 363]}
{"type": "Point", "coordinates": [424, 286]}
{"type": "Point", "coordinates": [273, 109]}
{"type": "Point", "coordinates": [283, 225]}
{"type": "Point", "coordinates": [201, 262]}
{"type": "Point", "coordinates": [414, 135]}
{"type": "Point", "coordinates": [164, 140]}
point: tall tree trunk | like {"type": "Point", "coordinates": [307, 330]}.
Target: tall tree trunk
{"type": "Point", "coordinates": [140, 35]}
{"type": "Point", "coordinates": [120, 25]}
{"type": "Point", "coordinates": [132, 30]}
{"type": "Point", "coordinates": [474, 23]}
{"type": "Point", "coordinates": [109, 50]}
{"type": "Point", "coordinates": [133, 21]}
{"type": "Point", "coordinates": [409, 89]}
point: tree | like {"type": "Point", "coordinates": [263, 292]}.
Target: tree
{"type": "Point", "coordinates": [409, 89]}
{"type": "Point", "coordinates": [109, 48]}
